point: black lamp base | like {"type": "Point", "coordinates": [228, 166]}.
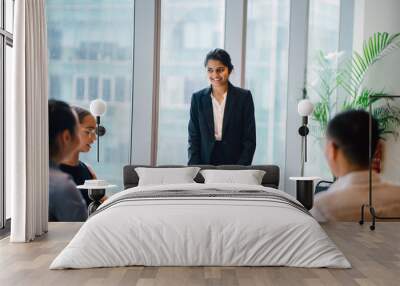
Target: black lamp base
{"type": "Point", "coordinates": [95, 195]}
{"type": "Point", "coordinates": [305, 193]}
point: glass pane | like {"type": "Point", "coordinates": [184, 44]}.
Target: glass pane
{"type": "Point", "coordinates": [93, 88]}
{"type": "Point", "coordinates": [8, 90]}
{"type": "Point", "coordinates": [80, 89]}
{"type": "Point", "coordinates": [266, 75]}
{"type": "Point", "coordinates": [106, 89]}
{"type": "Point", "coordinates": [119, 89]}
{"type": "Point", "coordinates": [9, 15]}
{"type": "Point", "coordinates": [55, 87]}
{"type": "Point", "coordinates": [189, 30]}
{"type": "Point", "coordinates": [323, 41]}
{"type": "Point", "coordinates": [89, 40]}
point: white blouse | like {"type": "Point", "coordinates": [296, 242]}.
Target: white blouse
{"type": "Point", "coordinates": [218, 111]}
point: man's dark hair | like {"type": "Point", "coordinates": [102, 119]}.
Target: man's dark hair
{"type": "Point", "coordinates": [349, 131]}
{"type": "Point", "coordinates": [219, 55]}
{"type": "Point", "coordinates": [61, 118]}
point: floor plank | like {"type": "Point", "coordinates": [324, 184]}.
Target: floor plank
{"type": "Point", "coordinates": [375, 257]}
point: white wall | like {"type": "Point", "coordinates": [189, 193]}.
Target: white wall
{"type": "Point", "coordinates": [381, 16]}
{"type": "Point", "coordinates": [375, 16]}
{"type": "Point", "coordinates": [383, 75]}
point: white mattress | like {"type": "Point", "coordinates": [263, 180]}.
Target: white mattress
{"type": "Point", "coordinates": [200, 231]}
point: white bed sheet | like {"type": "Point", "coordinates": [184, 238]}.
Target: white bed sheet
{"type": "Point", "coordinates": [193, 231]}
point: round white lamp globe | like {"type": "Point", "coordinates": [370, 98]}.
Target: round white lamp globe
{"type": "Point", "coordinates": [305, 107]}
{"type": "Point", "coordinates": [98, 107]}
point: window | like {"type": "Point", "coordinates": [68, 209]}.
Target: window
{"type": "Point", "coordinates": [266, 75]}
{"type": "Point", "coordinates": [323, 41]}
{"type": "Point", "coordinates": [93, 88]}
{"type": "Point", "coordinates": [189, 30]}
{"type": "Point", "coordinates": [174, 87]}
{"type": "Point", "coordinates": [55, 44]}
{"type": "Point", "coordinates": [196, 35]}
{"type": "Point", "coordinates": [6, 43]}
{"type": "Point", "coordinates": [55, 85]}
{"type": "Point", "coordinates": [106, 89]}
{"type": "Point", "coordinates": [323, 30]}
{"type": "Point", "coordinates": [90, 40]}
{"type": "Point", "coordinates": [9, 15]}
{"type": "Point", "coordinates": [8, 90]}
{"type": "Point", "coordinates": [80, 89]}
{"type": "Point", "coordinates": [120, 89]}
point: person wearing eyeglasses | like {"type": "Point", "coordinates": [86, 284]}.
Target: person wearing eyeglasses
{"type": "Point", "coordinates": [71, 165]}
{"type": "Point", "coordinates": [222, 128]}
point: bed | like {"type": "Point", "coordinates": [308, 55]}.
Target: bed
{"type": "Point", "coordinates": [197, 224]}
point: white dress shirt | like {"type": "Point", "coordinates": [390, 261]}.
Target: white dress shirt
{"type": "Point", "coordinates": [218, 112]}
{"type": "Point", "coordinates": [343, 200]}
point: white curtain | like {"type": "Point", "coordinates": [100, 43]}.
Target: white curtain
{"type": "Point", "coordinates": [28, 130]}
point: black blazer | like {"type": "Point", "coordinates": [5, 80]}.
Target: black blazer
{"type": "Point", "coordinates": [238, 127]}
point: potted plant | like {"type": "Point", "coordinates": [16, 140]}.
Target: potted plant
{"type": "Point", "coordinates": [349, 78]}
{"type": "Point", "coordinates": [339, 87]}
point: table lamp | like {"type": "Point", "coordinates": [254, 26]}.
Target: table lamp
{"type": "Point", "coordinates": [304, 185]}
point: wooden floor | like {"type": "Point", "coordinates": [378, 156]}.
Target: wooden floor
{"type": "Point", "coordinates": [375, 257]}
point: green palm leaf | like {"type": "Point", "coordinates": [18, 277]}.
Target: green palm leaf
{"type": "Point", "coordinates": [376, 47]}
{"type": "Point", "coordinates": [388, 118]}
{"type": "Point", "coordinates": [350, 78]}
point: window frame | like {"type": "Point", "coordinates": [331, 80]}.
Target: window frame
{"type": "Point", "coordinates": [6, 39]}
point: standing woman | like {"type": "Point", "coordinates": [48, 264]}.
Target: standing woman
{"type": "Point", "coordinates": [222, 127]}
{"type": "Point", "coordinates": [71, 165]}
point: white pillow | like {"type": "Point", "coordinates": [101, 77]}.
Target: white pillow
{"type": "Point", "coordinates": [165, 176]}
{"type": "Point", "coordinates": [248, 177]}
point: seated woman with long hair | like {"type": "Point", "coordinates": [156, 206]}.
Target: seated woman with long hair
{"type": "Point", "coordinates": [65, 201]}
{"type": "Point", "coordinates": [72, 165]}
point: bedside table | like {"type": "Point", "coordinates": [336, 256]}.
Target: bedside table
{"type": "Point", "coordinates": [305, 190]}
{"type": "Point", "coordinates": [96, 190]}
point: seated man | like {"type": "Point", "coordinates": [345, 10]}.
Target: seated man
{"type": "Point", "coordinates": [347, 152]}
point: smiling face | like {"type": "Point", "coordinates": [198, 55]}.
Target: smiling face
{"type": "Point", "coordinates": [87, 133]}
{"type": "Point", "coordinates": [218, 73]}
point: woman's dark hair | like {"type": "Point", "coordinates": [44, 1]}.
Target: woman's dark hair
{"type": "Point", "coordinates": [349, 131]}
{"type": "Point", "coordinates": [61, 118]}
{"type": "Point", "coordinates": [81, 112]}
{"type": "Point", "coordinates": [220, 55]}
